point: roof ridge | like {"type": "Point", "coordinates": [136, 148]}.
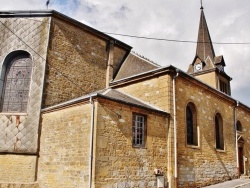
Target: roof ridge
{"type": "Point", "coordinates": [145, 58]}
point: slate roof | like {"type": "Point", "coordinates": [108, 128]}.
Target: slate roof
{"type": "Point", "coordinates": [204, 43]}
{"type": "Point", "coordinates": [204, 49]}
{"type": "Point", "coordinates": [135, 64]}
{"type": "Point", "coordinates": [219, 60]}
{"type": "Point", "coordinates": [110, 94]}
{"type": "Point", "coordinates": [116, 95]}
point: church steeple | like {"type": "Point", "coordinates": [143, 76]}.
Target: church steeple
{"type": "Point", "coordinates": [204, 47]}
{"type": "Point", "coordinates": [206, 66]}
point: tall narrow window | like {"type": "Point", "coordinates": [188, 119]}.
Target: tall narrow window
{"type": "Point", "coordinates": [239, 126]}
{"type": "Point", "coordinates": [139, 130]}
{"type": "Point", "coordinates": [16, 84]}
{"type": "Point", "coordinates": [219, 132]}
{"type": "Point", "coordinates": [223, 87]}
{"type": "Point", "coordinates": [191, 125]}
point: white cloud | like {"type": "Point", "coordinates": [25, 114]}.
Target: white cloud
{"type": "Point", "coordinates": [227, 21]}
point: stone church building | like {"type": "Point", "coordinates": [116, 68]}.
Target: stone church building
{"type": "Point", "coordinates": [80, 110]}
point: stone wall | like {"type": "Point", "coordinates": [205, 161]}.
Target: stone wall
{"type": "Point", "coordinates": [243, 115]}
{"type": "Point", "coordinates": [117, 163]}
{"type": "Point", "coordinates": [64, 148]}
{"type": "Point", "coordinates": [17, 168]}
{"type": "Point", "coordinates": [203, 165]}
{"type": "Point", "coordinates": [209, 78]}
{"type": "Point", "coordinates": [156, 91]}
{"type": "Point", "coordinates": [19, 185]}
{"type": "Point", "coordinates": [77, 62]}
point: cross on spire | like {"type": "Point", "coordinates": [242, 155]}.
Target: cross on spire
{"type": "Point", "coordinates": [201, 5]}
{"type": "Point", "coordinates": [47, 3]}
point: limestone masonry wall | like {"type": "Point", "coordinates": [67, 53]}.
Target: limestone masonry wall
{"type": "Point", "coordinates": [77, 63]}
{"type": "Point", "coordinates": [202, 165]}
{"type": "Point", "coordinates": [64, 149]}
{"type": "Point", "coordinates": [117, 163]}
{"type": "Point", "coordinates": [17, 168]}
{"type": "Point", "coordinates": [243, 116]}
{"type": "Point", "coordinates": [155, 91]}
{"type": "Point", "coordinates": [209, 78]}
{"type": "Point", "coordinates": [19, 185]}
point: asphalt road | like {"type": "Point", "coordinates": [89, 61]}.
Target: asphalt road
{"type": "Point", "coordinates": [237, 183]}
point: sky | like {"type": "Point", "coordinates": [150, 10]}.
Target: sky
{"type": "Point", "coordinates": [228, 22]}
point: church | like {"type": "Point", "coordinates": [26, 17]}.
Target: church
{"type": "Point", "coordinates": [80, 109]}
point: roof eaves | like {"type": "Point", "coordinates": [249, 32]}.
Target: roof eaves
{"type": "Point", "coordinates": [70, 102]}
{"type": "Point", "coordinates": [47, 13]}
{"type": "Point", "coordinates": [204, 85]}
{"type": "Point", "coordinates": [143, 75]}
{"type": "Point", "coordinates": [95, 95]}
{"type": "Point", "coordinates": [97, 32]}
{"type": "Point", "coordinates": [23, 13]}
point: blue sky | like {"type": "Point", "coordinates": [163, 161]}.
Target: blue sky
{"type": "Point", "coordinates": [228, 21]}
{"type": "Point", "coordinates": [68, 7]}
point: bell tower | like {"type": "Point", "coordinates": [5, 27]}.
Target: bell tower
{"type": "Point", "coordinates": [206, 66]}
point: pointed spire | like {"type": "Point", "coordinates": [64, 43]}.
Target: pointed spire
{"type": "Point", "coordinates": [204, 43]}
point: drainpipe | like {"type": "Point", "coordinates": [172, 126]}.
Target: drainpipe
{"type": "Point", "coordinates": [91, 141]}
{"type": "Point", "coordinates": [236, 139]}
{"type": "Point", "coordinates": [175, 133]}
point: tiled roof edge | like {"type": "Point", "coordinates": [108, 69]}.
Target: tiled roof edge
{"type": "Point", "coordinates": [145, 59]}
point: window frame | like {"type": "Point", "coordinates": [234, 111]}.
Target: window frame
{"type": "Point", "coordinates": [219, 132]}
{"type": "Point", "coordinates": [239, 127]}
{"type": "Point", "coordinates": [10, 64]}
{"type": "Point", "coordinates": [192, 130]}
{"type": "Point", "coordinates": [138, 142]}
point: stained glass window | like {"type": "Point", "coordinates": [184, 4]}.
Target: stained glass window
{"type": "Point", "coordinates": [16, 85]}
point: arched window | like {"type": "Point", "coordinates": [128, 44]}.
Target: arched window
{"type": "Point", "coordinates": [191, 125]}
{"type": "Point", "coordinates": [16, 72]}
{"type": "Point", "coordinates": [239, 126]}
{"type": "Point", "coordinates": [219, 139]}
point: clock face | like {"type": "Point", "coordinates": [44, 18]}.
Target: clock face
{"type": "Point", "coordinates": [198, 67]}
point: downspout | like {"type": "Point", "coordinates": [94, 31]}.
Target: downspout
{"type": "Point", "coordinates": [91, 140]}
{"type": "Point", "coordinates": [236, 139]}
{"type": "Point", "coordinates": [175, 133]}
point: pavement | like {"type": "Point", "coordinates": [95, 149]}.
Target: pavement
{"type": "Point", "coordinates": [237, 183]}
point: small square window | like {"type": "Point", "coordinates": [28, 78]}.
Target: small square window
{"type": "Point", "coordinates": [139, 130]}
